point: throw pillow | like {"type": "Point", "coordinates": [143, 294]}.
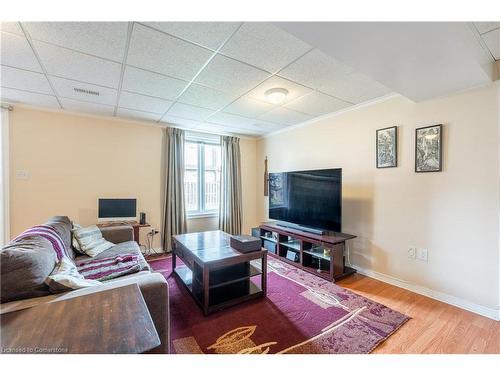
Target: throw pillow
{"type": "Point", "coordinates": [74, 241]}
{"type": "Point", "coordinates": [66, 277]}
{"type": "Point", "coordinates": [91, 241]}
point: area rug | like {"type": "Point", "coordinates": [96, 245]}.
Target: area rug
{"type": "Point", "coordinates": [302, 313]}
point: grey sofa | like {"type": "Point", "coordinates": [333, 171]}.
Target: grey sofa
{"type": "Point", "coordinates": [24, 266]}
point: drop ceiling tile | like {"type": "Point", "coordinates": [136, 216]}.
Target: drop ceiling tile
{"type": "Point", "coordinates": [492, 40]}
{"type": "Point", "coordinates": [314, 68]}
{"type": "Point", "coordinates": [484, 27]}
{"type": "Point", "coordinates": [66, 88]}
{"type": "Point", "coordinates": [139, 115]}
{"type": "Point", "coordinates": [248, 107]}
{"type": "Point", "coordinates": [231, 120]}
{"type": "Point", "coordinates": [153, 84]}
{"type": "Point", "coordinates": [189, 112]}
{"type": "Point", "coordinates": [103, 39]}
{"type": "Point", "coordinates": [203, 96]}
{"type": "Point", "coordinates": [267, 127]}
{"type": "Point", "coordinates": [11, 27]}
{"type": "Point", "coordinates": [17, 52]}
{"type": "Point", "coordinates": [294, 89]}
{"type": "Point", "coordinates": [265, 46]}
{"type": "Point", "coordinates": [19, 96]}
{"type": "Point", "coordinates": [24, 80]}
{"type": "Point", "coordinates": [317, 104]}
{"type": "Point", "coordinates": [354, 88]}
{"type": "Point", "coordinates": [207, 34]}
{"type": "Point", "coordinates": [158, 52]}
{"type": "Point", "coordinates": [78, 66]}
{"type": "Point", "coordinates": [179, 121]}
{"type": "Point", "coordinates": [230, 76]}
{"type": "Point", "coordinates": [284, 116]}
{"type": "Point", "coordinates": [143, 103]}
{"type": "Point", "coordinates": [86, 107]}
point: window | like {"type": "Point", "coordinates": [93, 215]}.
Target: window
{"type": "Point", "coordinates": [202, 169]}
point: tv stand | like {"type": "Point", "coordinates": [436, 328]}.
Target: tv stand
{"type": "Point", "coordinates": [303, 229]}
{"type": "Point", "coordinates": [319, 254]}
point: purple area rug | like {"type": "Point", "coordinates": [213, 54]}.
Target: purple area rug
{"type": "Point", "coordinates": [302, 313]}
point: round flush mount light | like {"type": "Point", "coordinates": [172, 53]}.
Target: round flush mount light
{"type": "Point", "coordinates": [276, 95]}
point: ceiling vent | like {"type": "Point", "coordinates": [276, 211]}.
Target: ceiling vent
{"type": "Point", "coordinates": [85, 91]}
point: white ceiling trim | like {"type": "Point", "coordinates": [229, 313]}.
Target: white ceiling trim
{"type": "Point", "coordinates": [334, 114]}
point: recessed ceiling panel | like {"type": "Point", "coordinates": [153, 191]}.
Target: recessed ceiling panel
{"type": "Point", "coordinates": [143, 103]}
{"type": "Point", "coordinates": [203, 96]}
{"type": "Point", "coordinates": [230, 76]}
{"type": "Point", "coordinates": [316, 68]}
{"type": "Point", "coordinates": [154, 84]}
{"type": "Point", "coordinates": [492, 40]}
{"type": "Point", "coordinates": [78, 66]}
{"type": "Point", "coordinates": [354, 88]}
{"type": "Point", "coordinates": [317, 104]}
{"type": "Point", "coordinates": [83, 91]}
{"type": "Point", "coordinates": [25, 97]}
{"type": "Point", "coordinates": [86, 107]}
{"type": "Point", "coordinates": [248, 107]}
{"type": "Point", "coordinates": [189, 112]}
{"type": "Point", "coordinates": [17, 52]}
{"type": "Point", "coordinates": [229, 119]}
{"type": "Point", "coordinates": [137, 115]}
{"type": "Point", "coordinates": [156, 51]}
{"type": "Point", "coordinates": [284, 116]}
{"type": "Point", "coordinates": [24, 80]}
{"type": "Point", "coordinates": [11, 27]}
{"type": "Point", "coordinates": [265, 46]}
{"type": "Point", "coordinates": [207, 34]}
{"type": "Point", "coordinates": [102, 39]}
{"type": "Point", "coordinates": [294, 89]}
{"type": "Point", "coordinates": [484, 27]}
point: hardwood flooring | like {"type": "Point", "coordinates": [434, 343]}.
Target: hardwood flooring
{"type": "Point", "coordinates": [435, 327]}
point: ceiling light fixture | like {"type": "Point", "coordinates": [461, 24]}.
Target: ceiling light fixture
{"type": "Point", "coordinates": [276, 95]}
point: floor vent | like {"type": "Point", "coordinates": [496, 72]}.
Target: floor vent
{"type": "Point", "coordinates": [85, 91]}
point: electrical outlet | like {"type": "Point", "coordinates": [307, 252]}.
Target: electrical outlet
{"type": "Point", "coordinates": [22, 175]}
{"type": "Point", "coordinates": [422, 254]}
{"type": "Point", "coordinates": [411, 253]}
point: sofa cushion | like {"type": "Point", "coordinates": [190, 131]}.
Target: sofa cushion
{"type": "Point", "coordinates": [91, 241]}
{"type": "Point", "coordinates": [24, 266]}
{"type": "Point", "coordinates": [124, 248]}
{"type": "Point", "coordinates": [63, 226]}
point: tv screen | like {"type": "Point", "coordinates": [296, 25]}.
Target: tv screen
{"type": "Point", "coordinates": [308, 198]}
{"type": "Point", "coordinates": [117, 208]}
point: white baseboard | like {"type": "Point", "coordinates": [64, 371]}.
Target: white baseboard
{"type": "Point", "coordinates": [443, 297]}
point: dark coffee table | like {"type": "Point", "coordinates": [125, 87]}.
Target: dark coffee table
{"type": "Point", "coordinates": [216, 275]}
{"type": "Point", "coordinates": [111, 321]}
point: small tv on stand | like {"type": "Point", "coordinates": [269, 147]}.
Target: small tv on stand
{"type": "Point", "coordinates": [117, 209]}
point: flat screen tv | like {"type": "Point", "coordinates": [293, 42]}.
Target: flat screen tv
{"type": "Point", "coordinates": [310, 199]}
{"type": "Point", "coordinates": [117, 209]}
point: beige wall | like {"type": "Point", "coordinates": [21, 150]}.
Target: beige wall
{"type": "Point", "coordinates": [454, 214]}
{"type": "Point", "coordinates": [72, 160]}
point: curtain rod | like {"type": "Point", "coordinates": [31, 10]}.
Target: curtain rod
{"type": "Point", "coordinates": [6, 106]}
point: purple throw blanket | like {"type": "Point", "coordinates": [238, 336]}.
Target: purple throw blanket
{"type": "Point", "coordinates": [109, 268]}
{"type": "Point", "coordinates": [49, 233]}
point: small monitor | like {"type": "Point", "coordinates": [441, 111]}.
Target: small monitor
{"type": "Point", "coordinates": [116, 209]}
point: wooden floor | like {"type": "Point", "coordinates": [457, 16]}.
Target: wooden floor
{"type": "Point", "coordinates": [434, 327]}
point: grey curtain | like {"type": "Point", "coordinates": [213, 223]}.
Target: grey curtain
{"type": "Point", "coordinates": [230, 202]}
{"type": "Point", "coordinates": [174, 214]}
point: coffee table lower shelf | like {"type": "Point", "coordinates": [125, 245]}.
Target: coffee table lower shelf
{"type": "Point", "coordinates": [223, 295]}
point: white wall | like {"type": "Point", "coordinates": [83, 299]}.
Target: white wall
{"type": "Point", "coordinates": [454, 213]}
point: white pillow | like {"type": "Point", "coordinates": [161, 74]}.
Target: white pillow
{"type": "Point", "coordinates": [74, 241]}
{"type": "Point", "coordinates": [66, 277]}
{"type": "Point", "coordinates": [91, 241]}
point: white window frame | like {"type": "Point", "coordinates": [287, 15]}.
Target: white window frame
{"type": "Point", "coordinates": [202, 140]}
